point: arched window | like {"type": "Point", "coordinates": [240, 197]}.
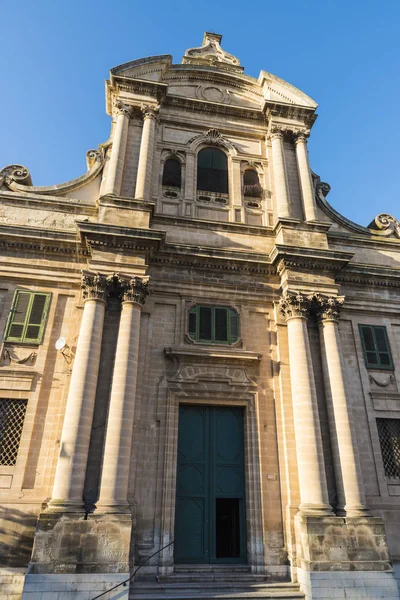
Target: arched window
{"type": "Point", "coordinates": [172, 173]}
{"type": "Point", "coordinates": [251, 184]}
{"type": "Point", "coordinates": [212, 171]}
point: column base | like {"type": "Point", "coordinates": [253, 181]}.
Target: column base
{"type": "Point", "coordinates": [119, 508]}
{"type": "Point", "coordinates": [81, 543]}
{"type": "Point", "coordinates": [317, 510]}
{"type": "Point", "coordinates": [340, 551]}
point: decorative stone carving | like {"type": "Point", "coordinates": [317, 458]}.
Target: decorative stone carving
{"type": "Point", "coordinates": [9, 355]}
{"type": "Point", "coordinates": [384, 382]}
{"type": "Point", "coordinates": [294, 304]}
{"type": "Point", "coordinates": [211, 54]}
{"type": "Point", "coordinates": [149, 112]}
{"type": "Point", "coordinates": [327, 307]}
{"type": "Point", "coordinates": [213, 138]}
{"type": "Point", "coordinates": [94, 286]}
{"type": "Point", "coordinates": [15, 173]}
{"type": "Point", "coordinates": [386, 225]}
{"type": "Point", "coordinates": [301, 136]}
{"type": "Point", "coordinates": [119, 108]}
{"type": "Point", "coordinates": [135, 290]}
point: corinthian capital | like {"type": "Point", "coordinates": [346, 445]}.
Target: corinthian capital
{"type": "Point", "coordinates": [327, 308]}
{"type": "Point", "coordinates": [94, 286]}
{"type": "Point", "coordinates": [149, 112]}
{"type": "Point", "coordinates": [301, 136]}
{"type": "Point", "coordinates": [135, 290]}
{"type": "Point", "coordinates": [294, 305]}
{"type": "Point", "coordinates": [276, 133]}
{"type": "Point", "coordinates": [119, 108]}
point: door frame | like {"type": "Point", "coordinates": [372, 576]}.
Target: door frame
{"type": "Point", "coordinates": [252, 472]}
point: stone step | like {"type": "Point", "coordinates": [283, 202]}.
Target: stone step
{"type": "Point", "coordinates": [213, 591]}
{"type": "Point", "coordinates": [211, 569]}
{"type": "Point", "coordinates": [211, 577]}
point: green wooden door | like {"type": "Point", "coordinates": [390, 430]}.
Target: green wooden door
{"type": "Point", "coordinates": [210, 515]}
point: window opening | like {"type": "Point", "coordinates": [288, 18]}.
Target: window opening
{"type": "Point", "coordinates": [389, 439]}
{"type": "Point", "coordinates": [251, 184]}
{"type": "Point", "coordinates": [12, 416]}
{"type": "Point", "coordinates": [214, 324]}
{"type": "Point", "coordinates": [212, 171]}
{"type": "Point", "coordinates": [376, 347]}
{"type": "Point", "coordinates": [172, 173]}
{"type": "Point", "coordinates": [27, 317]}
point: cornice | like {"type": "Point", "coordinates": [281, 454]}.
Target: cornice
{"type": "Point", "coordinates": [124, 202]}
{"type": "Point", "coordinates": [297, 225]}
{"type": "Point", "coordinates": [214, 260]}
{"type": "Point", "coordinates": [212, 225]}
{"type": "Point", "coordinates": [119, 83]}
{"type": "Point", "coordinates": [361, 240]}
{"type": "Point", "coordinates": [208, 352]}
{"type": "Point", "coordinates": [370, 275]}
{"type": "Point", "coordinates": [244, 85]}
{"type": "Point", "coordinates": [272, 109]}
{"type": "Point", "coordinates": [40, 240]}
{"type": "Point", "coordinates": [308, 258]}
{"type": "Point", "coordinates": [124, 238]}
{"type": "Point", "coordinates": [192, 104]}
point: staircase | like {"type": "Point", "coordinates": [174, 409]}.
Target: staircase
{"type": "Point", "coordinates": [199, 582]}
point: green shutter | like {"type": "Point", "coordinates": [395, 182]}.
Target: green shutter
{"type": "Point", "coordinates": [213, 324]}
{"type": "Point", "coordinates": [27, 317]}
{"type": "Point", "coordinates": [376, 348]}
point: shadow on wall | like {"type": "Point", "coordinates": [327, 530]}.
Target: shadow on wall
{"type": "Point", "coordinates": [17, 530]}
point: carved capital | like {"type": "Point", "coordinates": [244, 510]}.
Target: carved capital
{"type": "Point", "coordinates": [119, 108]}
{"type": "Point", "coordinates": [294, 305]}
{"type": "Point", "coordinates": [149, 112]}
{"type": "Point", "coordinates": [276, 133]}
{"type": "Point", "coordinates": [94, 286]}
{"type": "Point", "coordinates": [301, 137]}
{"type": "Point", "coordinates": [327, 308]}
{"type": "Point", "coordinates": [135, 290]}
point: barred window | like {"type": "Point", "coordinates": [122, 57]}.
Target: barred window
{"type": "Point", "coordinates": [389, 438]}
{"type": "Point", "coordinates": [213, 324]}
{"type": "Point", "coordinates": [12, 415]}
{"type": "Point", "coordinates": [376, 348]}
{"type": "Point", "coordinates": [27, 317]}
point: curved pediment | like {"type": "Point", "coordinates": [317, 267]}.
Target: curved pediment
{"type": "Point", "coordinates": [278, 90]}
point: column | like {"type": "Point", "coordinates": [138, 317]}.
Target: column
{"type": "Point", "coordinates": [307, 190]}
{"type": "Point", "coordinates": [118, 442]}
{"type": "Point", "coordinates": [281, 191]}
{"type": "Point", "coordinates": [143, 181]}
{"type": "Point", "coordinates": [311, 467]}
{"type": "Point", "coordinates": [117, 159]}
{"type": "Point", "coordinates": [77, 427]}
{"type": "Point", "coordinates": [349, 484]}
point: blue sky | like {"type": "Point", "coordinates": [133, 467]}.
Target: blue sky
{"type": "Point", "coordinates": [345, 55]}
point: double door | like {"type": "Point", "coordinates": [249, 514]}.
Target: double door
{"type": "Point", "coordinates": [210, 501]}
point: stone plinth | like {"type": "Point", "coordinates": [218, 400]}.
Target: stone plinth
{"type": "Point", "coordinates": [70, 544]}
{"type": "Point", "coordinates": [341, 554]}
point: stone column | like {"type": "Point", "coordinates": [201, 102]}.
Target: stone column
{"type": "Point", "coordinates": [349, 484]}
{"type": "Point", "coordinates": [143, 181]}
{"type": "Point", "coordinates": [117, 159]}
{"type": "Point", "coordinates": [281, 191]}
{"type": "Point", "coordinates": [77, 427]}
{"type": "Point", "coordinates": [307, 190]}
{"type": "Point", "coordinates": [311, 467]}
{"type": "Point", "coordinates": [118, 442]}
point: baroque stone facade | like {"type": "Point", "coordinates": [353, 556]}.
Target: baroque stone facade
{"type": "Point", "coordinates": [195, 289]}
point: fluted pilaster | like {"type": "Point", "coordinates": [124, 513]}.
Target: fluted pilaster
{"type": "Point", "coordinates": [143, 181]}
{"type": "Point", "coordinates": [307, 191]}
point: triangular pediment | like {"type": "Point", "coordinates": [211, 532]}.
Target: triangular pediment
{"type": "Point", "coordinates": [276, 89]}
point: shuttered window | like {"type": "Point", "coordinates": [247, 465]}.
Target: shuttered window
{"type": "Point", "coordinates": [212, 171]}
{"type": "Point", "coordinates": [27, 317]}
{"type": "Point", "coordinates": [214, 324]}
{"type": "Point", "coordinates": [376, 348]}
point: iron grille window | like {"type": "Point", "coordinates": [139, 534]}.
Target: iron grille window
{"type": "Point", "coordinates": [389, 438]}
{"type": "Point", "coordinates": [376, 348]}
{"type": "Point", "coordinates": [172, 173]}
{"type": "Point", "coordinates": [212, 171]}
{"type": "Point", "coordinates": [27, 317]}
{"type": "Point", "coordinates": [12, 415]}
{"type": "Point", "coordinates": [214, 324]}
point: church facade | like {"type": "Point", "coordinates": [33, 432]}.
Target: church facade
{"type": "Point", "coordinates": [200, 357]}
